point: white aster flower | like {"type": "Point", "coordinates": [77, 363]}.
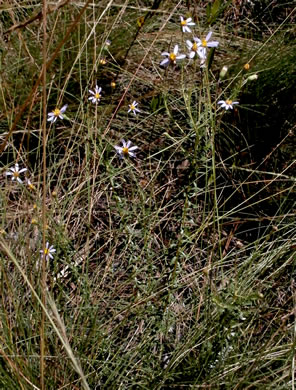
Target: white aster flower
{"type": "Point", "coordinates": [172, 58]}
{"type": "Point", "coordinates": [96, 95]}
{"type": "Point", "coordinates": [192, 47]}
{"type": "Point", "coordinates": [57, 113]}
{"type": "Point", "coordinates": [205, 42]}
{"type": "Point", "coordinates": [48, 251]}
{"type": "Point", "coordinates": [133, 107]}
{"type": "Point", "coordinates": [227, 104]}
{"type": "Point", "coordinates": [15, 173]}
{"type": "Point", "coordinates": [126, 149]}
{"type": "Point", "coordinates": [185, 23]}
{"type": "Point", "coordinates": [195, 49]}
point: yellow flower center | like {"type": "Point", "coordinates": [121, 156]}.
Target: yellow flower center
{"type": "Point", "coordinates": [247, 66]}
{"type": "Point", "coordinates": [183, 23]}
{"type": "Point", "coordinates": [173, 57]}
{"type": "Point", "coordinates": [16, 174]}
{"type": "Point", "coordinates": [56, 112]}
{"type": "Point", "coordinates": [97, 95]}
{"type": "Point", "coordinates": [46, 251]}
{"type": "Point", "coordinates": [228, 101]}
{"type": "Point", "coordinates": [194, 46]}
{"type": "Point", "coordinates": [204, 42]}
{"type": "Point", "coordinates": [125, 150]}
{"type": "Point", "coordinates": [132, 107]}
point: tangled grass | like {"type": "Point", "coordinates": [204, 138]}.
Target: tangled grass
{"type": "Point", "coordinates": [176, 268]}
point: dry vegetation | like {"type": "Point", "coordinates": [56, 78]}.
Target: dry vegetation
{"type": "Point", "coordinates": [174, 269]}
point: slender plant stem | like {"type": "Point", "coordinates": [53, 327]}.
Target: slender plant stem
{"type": "Point", "coordinates": [43, 262]}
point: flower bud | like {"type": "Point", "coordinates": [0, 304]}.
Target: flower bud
{"type": "Point", "coordinates": [223, 72]}
{"type": "Point", "coordinates": [252, 77]}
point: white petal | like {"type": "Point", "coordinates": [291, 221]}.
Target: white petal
{"type": "Point", "coordinates": [176, 49]}
{"type": "Point", "coordinates": [165, 62]}
{"type": "Point", "coordinates": [235, 102]}
{"type": "Point", "coordinates": [213, 44]}
{"type": "Point", "coordinates": [64, 108]}
{"type": "Point", "coordinates": [208, 37]}
{"type": "Point", "coordinates": [192, 54]}
{"type": "Point", "coordinates": [127, 145]}
{"type": "Point", "coordinates": [133, 148]}
{"type": "Point", "coordinates": [188, 20]}
{"type": "Point", "coordinates": [165, 53]}
{"type": "Point", "coordinates": [189, 44]}
{"type": "Point", "coordinates": [202, 53]}
{"type": "Point", "coordinates": [180, 57]}
{"type": "Point", "coordinates": [131, 154]}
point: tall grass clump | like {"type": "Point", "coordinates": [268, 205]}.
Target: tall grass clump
{"type": "Point", "coordinates": [147, 195]}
